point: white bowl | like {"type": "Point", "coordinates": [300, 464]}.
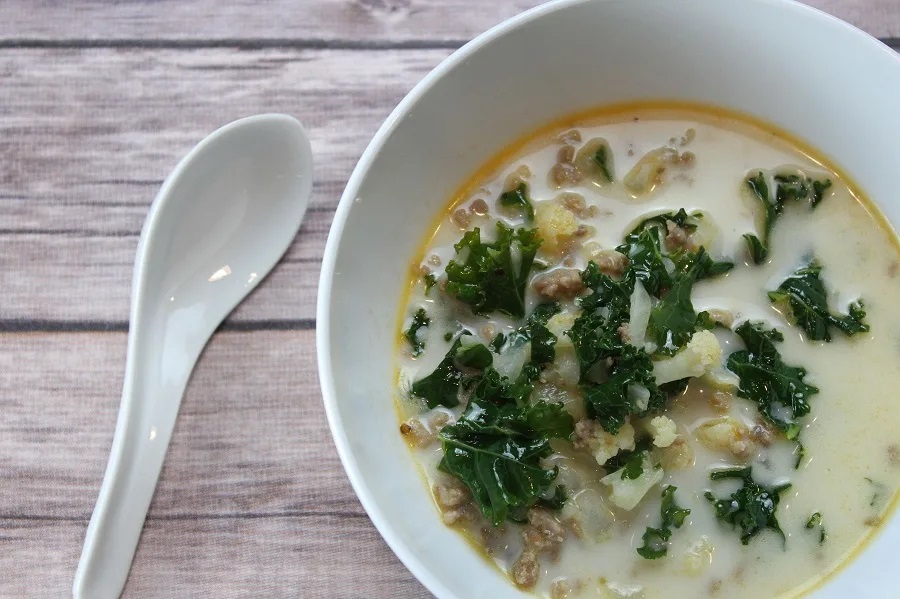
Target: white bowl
{"type": "Point", "coordinates": [802, 70]}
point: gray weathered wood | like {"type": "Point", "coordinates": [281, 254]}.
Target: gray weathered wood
{"type": "Point", "coordinates": [344, 21]}
{"type": "Point", "coordinates": [314, 557]}
{"type": "Point", "coordinates": [251, 501]}
{"type": "Point", "coordinates": [98, 100]}
{"type": "Point", "coordinates": [80, 165]}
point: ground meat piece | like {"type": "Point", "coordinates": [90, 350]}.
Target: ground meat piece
{"type": "Point", "coordinates": [565, 155]}
{"type": "Point", "coordinates": [689, 136]}
{"type": "Point", "coordinates": [564, 175]}
{"type": "Point", "coordinates": [677, 456]}
{"type": "Point", "coordinates": [455, 502]}
{"type": "Point", "coordinates": [723, 317]}
{"type": "Point", "coordinates": [415, 432]}
{"type": "Point", "coordinates": [573, 525]}
{"type": "Point", "coordinates": [421, 270]}
{"type": "Point", "coordinates": [479, 207]}
{"type": "Point", "coordinates": [685, 159]}
{"type": "Point", "coordinates": [460, 218]}
{"type": "Point", "coordinates": [568, 261]}
{"type": "Point", "coordinates": [488, 332]}
{"type": "Point", "coordinates": [450, 494]}
{"type": "Point", "coordinates": [526, 570]}
{"type": "Point", "coordinates": [543, 533]}
{"type": "Point", "coordinates": [761, 433]}
{"type": "Point", "coordinates": [573, 202]}
{"type": "Point", "coordinates": [893, 452]}
{"type": "Point", "coordinates": [622, 332]}
{"type": "Point", "coordinates": [611, 262]}
{"type": "Point", "coordinates": [434, 260]}
{"type": "Point", "coordinates": [560, 283]}
{"type": "Point", "coordinates": [677, 237]}
{"type": "Point", "coordinates": [561, 588]}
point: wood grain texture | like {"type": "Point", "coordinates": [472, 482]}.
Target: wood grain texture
{"type": "Point", "coordinates": [252, 499]}
{"type": "Point", "coordinates": [98, 101]}
{"type": "Point", "coordinates": [87, 136]}
{"type": "Point", "coordinates": [349, 22]}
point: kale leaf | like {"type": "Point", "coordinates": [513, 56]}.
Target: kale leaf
{"type": "Point", "coordinates": [518, 198]}
{"type": "Point", "coordinates": [656, 540]}
{"type": "Point", "coordinates": [796, 188]}
{"type": "Point", "coordinates": [430, 281]}
{"type": "Point", "coordinates": [804, 297]}
{"type": "Point", "coordinates": [647, 263]}
{"type": "Point", "coordinates": [496, 446]}
{"type": "Point", "coordinates": [751, 508]}
{"type": "Point", "coordinates": [420, 321]}
{"type": "Point", "coordinates": [778, 389]}
{"type": "Point", "coordinates": [673, 321]}
{"type": "Point", "coordinates": [492, 276]}
{"type": "Point", "coordinates": [630, 379]}
{"type": "Point", "coordinates": [441, 387]}
{"type": "Point", "coordinates": [686, 221]}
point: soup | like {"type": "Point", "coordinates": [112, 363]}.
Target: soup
{"type": "Point", "coordinates": [654, 352]}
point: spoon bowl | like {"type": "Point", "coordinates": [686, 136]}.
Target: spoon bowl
{"type": "Point", "coordinates": [222, 219]}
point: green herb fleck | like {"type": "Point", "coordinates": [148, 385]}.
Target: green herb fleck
{"type": "Point", "coordinates": [815, 521]}
{"type": "Point", "coordinates": [430, 281]}
{"type": "Point", "coordinates": [518, 198]}
{"type": "Point", "coordinates": [420, 321]}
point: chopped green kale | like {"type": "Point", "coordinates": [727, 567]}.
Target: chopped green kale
{"type": "Point", "coordinates": [656, 540]}
{"type": "Point", "coordinates": [673, 321]}
{"type": "Point", "coordinates": [496, 446]}
{"type": "Point", "coordinates": [420, 321]}
{"type": "Point", "coordinates": [804, 297]}
{"type": "Point", "coordinates": [686, 221]}
{"type": "Point", "coordinates": [492, 276]}
{"type": "Point", "coordinates": [441, 387]}
{"type": "Point", "coordinates": [787, 188]}
{"type": "Point", "coordinates": [751, 508]}
{"type": "Point", "coordinates": [518, 198]}
{"type": "Point", "coordinates": [778, 389]}
{"type": "Point", "coordinates": [629, 389]}
{"type": "Point", "coordinates": [815, 521]}
{"type": "Point", "coordinates": [430, 281]}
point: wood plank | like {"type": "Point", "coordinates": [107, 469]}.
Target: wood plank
{"type": "Point", "coordinates": [298, 556]}
{"type": "Point", "coordinates": [251, 438]}
{"type": "Point", "coordinates": [128, 116]}
{"type": "Point", "coordinates": [284, 21]}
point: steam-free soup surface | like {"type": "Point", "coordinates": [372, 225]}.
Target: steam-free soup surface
{"type": "Point", "coordinates": [581, 537]}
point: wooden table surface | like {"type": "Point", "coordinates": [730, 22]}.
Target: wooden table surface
{"type": "Point", "coordinates": [98, 101]}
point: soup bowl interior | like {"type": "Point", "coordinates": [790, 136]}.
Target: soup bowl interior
{"type": "Point", "coordinates": [803, 71]}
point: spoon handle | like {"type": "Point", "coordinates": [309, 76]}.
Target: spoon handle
{"type": "Point", "coordinates": [150, 400]}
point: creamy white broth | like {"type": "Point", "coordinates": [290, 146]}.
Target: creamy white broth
{"type": "Point", "coordinates": [851, 434]}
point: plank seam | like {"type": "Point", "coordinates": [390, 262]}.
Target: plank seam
{"type": "Point", "coordinates": [236, 43]}
{"type": "Point", "coordinates": [24, 325]}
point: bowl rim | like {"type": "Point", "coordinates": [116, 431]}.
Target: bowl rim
{"type": "Point", "coordinates": [326, 277]}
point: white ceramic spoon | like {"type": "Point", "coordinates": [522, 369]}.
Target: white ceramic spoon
{"type": "Point", "coordinates": [221, 221]}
